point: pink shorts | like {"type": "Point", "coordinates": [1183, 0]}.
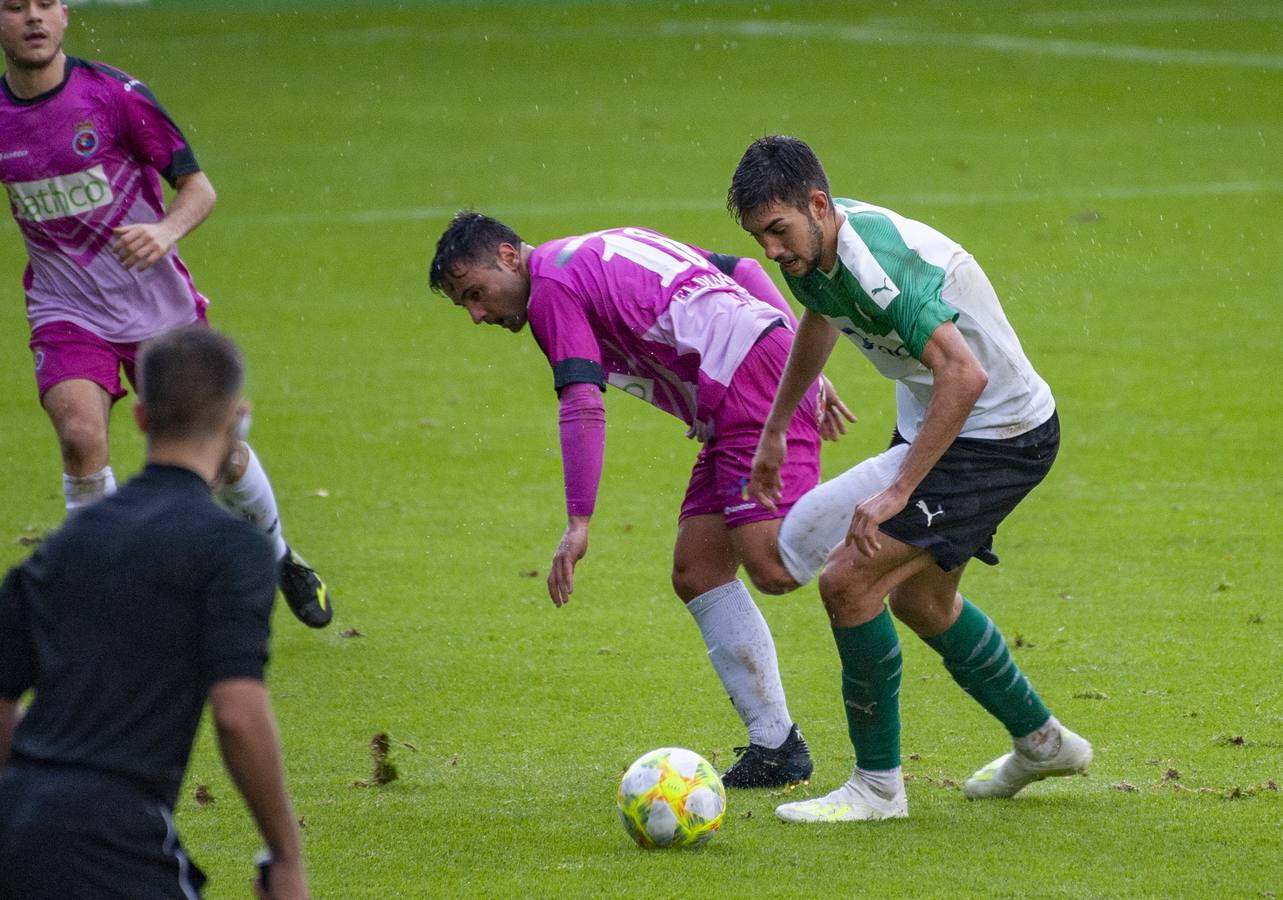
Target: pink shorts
{"type": "Point", "coordinates": [719, 481]}
{"type": "Point", "coordinates": [62, 351]}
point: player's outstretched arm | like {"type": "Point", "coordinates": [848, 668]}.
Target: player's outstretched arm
{"type": "Point", "coordinates": [811, 348]}
{"type": "Point", "coordinates": [251, 749]}
{"type": "Point", "coordinates": [142, 245]}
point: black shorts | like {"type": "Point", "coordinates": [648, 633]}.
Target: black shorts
{"type": "Point", "coordinates": [957, 508]}
{"type": "Point", "coordinates": [73, 833]}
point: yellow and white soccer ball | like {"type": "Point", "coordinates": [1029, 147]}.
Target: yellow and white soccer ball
{"type": "Point", "coordinates": [671, 797]}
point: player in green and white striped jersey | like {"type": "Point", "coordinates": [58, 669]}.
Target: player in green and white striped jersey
{"type": "Point", "coordinates": [976, 430]}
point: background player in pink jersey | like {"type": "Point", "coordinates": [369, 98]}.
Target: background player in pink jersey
{"type": "Point", "coordinates": [83, 147]}
{"type": "Point", "coordinates": [674, 326]}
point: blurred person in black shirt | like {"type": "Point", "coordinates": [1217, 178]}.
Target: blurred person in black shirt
{"type": "Point", "coordinates": [123, 623]}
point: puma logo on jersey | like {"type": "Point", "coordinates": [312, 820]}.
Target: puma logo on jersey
{"type": "Point", "coordinates": [922, 505]}
{"type": "Point", "coordinates": [886, 286]}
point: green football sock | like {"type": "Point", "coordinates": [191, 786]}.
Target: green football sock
{"type": "Point", "coordinates": [871, 669]}
{"type": "Point", "coordinates": [977, 657]}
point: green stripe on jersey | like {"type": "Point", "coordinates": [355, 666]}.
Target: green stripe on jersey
{"type": "Point", "coordinates": [880, 285]}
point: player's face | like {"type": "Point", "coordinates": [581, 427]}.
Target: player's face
{"type": "Point", "coordinates": [493, 291]}
{"type": "Point", "coordinates": [789, 236]}
{"type": "Point", "coordinates": [31, 31]}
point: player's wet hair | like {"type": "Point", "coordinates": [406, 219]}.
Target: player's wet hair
{"type": "Point", "coordinates": [186, 380]}
{"type": "Point", "coordinates": [775, 169]}
{"type": "Point", "coordinates": [471, 236]}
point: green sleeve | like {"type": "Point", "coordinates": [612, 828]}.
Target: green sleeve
{"type": "Point", "coordinates": [917, 319]}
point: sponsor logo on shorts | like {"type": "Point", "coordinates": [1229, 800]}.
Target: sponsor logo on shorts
{"type": "Point", "coordinates": [739, 508]}
{"type": "Point", "coordinates": [62, 196]}
{"type": "Point", "coordinates": [40, 360]}
{"type": "Point", "coordinates": [85, 141]}
{"type": "Point", "coordinates": [13, 154]}
{"type": "Point", "coordinates": [922, 505]}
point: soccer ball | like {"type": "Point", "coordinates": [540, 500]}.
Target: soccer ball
{"type": "Point", "coordinates": [671, 797]}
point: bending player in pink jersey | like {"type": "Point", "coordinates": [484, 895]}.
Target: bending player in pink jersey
{"type": "Point", "coordinates": [83, 147]}
{"type": "Point", "coordinates": [674, 326]}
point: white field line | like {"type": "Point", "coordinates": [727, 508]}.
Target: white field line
{"type": "Point", "coordinates": [868, 34]}
{"type": "Point", "coordinates": [1223, 12]}
{"type": "Point", "coordinates": [1000, 43]}
{"type": "Point", "coordinates": [624, 208]}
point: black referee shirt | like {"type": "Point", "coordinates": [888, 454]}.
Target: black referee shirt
{"type": "Point", "coordinates": [123, 619]}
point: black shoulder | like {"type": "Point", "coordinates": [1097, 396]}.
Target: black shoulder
{"type": "Point", "coordinates": [184, 160]}
{"type": "Point", "coordinates": [725, 262]}
{"type": "Point", "coordinates": [129, 82]}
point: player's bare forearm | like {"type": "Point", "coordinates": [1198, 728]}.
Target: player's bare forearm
{"type": "Point", "coordinates": [812, 345]}
{"type": "Point", "coordinates": [141, 245]}
{"type": "Point", "coordinates": [811, 348]}
{"type": "Point", "coordinates": [8, 723]}
{"type": "Point", "coordinates": [194, 200]}
{"type": "Point", "coordinates": [250, 744]}
{"type": "Point", "coordinates": [959, 381]}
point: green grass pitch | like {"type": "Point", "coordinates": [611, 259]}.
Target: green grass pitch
{"type": "Point", "coordinates": [1115, 169]}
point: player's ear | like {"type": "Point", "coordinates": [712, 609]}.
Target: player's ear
{"type": "Point", "coordinates": [819, 203]}
{"type": "Point", "coordinates": [509, 256]}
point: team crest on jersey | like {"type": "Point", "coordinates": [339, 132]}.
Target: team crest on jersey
{"type": "Point", "coordinates": [86, 140]}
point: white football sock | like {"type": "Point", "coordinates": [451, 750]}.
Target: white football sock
{"type": "Point", "coordinates": [1041, 744]}
{"type": "Point", "coordinates": [821, 519]}
{"type": "Point", "coordinates": [81, 490]}
{"type": "Point", "coordinates": [742, 651]}
{"type": "Point", "coordinates": [887, 782]}
{"type": "Point", "coordinates": [252, 499]}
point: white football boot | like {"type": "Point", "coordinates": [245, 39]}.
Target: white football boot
{"type": "Point", "coordinates": [1007, 775]}
{"type": "Point", "coordinates": [854, 801]}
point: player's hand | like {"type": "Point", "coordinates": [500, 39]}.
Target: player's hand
{"type": "Point", "coordinates": [764, 481]}
{"type": "Point", "coordinates": [139, 247]}
{"type": "Point", "coordinates": [698, 431]}
{"type": "Point", "coordinates": [869, 515]}
{"type": "Point", "coordinates": [571, 549]}
{"type": "Point", "coordinates": [831, 411]}
{"type": "Point", "coordinates": [287, 880]}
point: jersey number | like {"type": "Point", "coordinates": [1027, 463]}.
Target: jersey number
{"type": "Point", "coordinates": [653, 252]}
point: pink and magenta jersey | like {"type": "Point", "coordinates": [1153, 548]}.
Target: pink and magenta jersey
{"type": "Point", "coordinates": [77, 162]}
{"type": "Point", "coordinates": [652, 316]}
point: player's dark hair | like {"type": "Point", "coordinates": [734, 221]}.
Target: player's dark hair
{"type": "Point", "coordinates": [471, 236]}
{"type": "Point", "coordinates": [186, 380]}
{"type": "Point", "coordinates": [775, 169]}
